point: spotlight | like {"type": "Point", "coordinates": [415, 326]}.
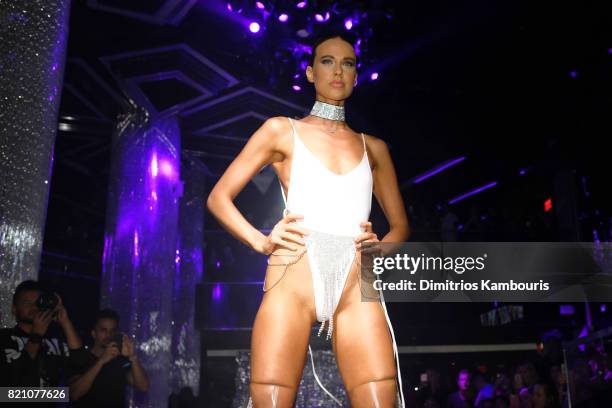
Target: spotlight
{"type": "Point", "coordinates": [374, 76]}
{"type": "Point", "coordinates": [573, 74]}
{"type": "Point", "coordinates": [319, 18]}
{"type": "Point", "coordinates": [297, 88]}
{"type": "Point", "coordinates": [235, 6]}
{"type": "Point", "coordinates": [259, 5]}
{"type": "Point", "coordinates": [301, 4]}
{"type": "Point", "coordinates": [283, 18]}
{"type": "Point", "coordinates": [254, 27]}
{"type": "Point", "coordinates": [303, 33]}
{"type": "Point", "coordinates": [348, 23]}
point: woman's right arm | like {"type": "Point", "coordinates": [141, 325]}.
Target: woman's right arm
{"type": "Point", "coordinates": [262, 148]}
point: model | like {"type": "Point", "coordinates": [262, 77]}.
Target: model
{"type": "Point", "coordinates": [327, 174]}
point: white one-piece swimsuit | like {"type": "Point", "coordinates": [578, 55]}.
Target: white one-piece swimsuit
{"type": "Point", "coordinates": [333, 206]}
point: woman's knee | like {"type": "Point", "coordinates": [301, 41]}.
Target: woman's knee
{"type": "Point", "coordinates": [379, 393]}
{"type": "Point", "coordinates": [272, 394]}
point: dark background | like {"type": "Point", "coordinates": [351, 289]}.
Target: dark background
{"type": "Point", "coordinates": [510, 85]}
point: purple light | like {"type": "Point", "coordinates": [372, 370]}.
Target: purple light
{"type": "Point", "coordinates": [327, 15]}
{"type": "Point", "coordinates": [348, 23]}
{"type": "Point", "coordinates": [319, 17]}
{"type": "Point", "coordinates": [566, 310]}
{"type": "Point", "coordinates": [573, 73]}
{"type": "Point", "coordinates": [166, 168]}
{"type": "Point", "coordinates": [522, 172]}
{"type": "Point", "coordinates": [217, 292]}
{"type": "Point", "coordinates": [229, 7]}
{"type": "Point", "coordinates": [301, 4]}
{"type": "Point", "coordinates": [283, 18]}
{"type": "Point", "coordinates": [472, 192]}
{"type": "Point", "coordinates": [136, 244]}
{"type": "Point", "coordinates": [297, 88]}
{"type": "Point", "coordinates": [296, 76]}
{"type": "Point", "coordinates": [374, 76]}
{"type": "Point", "coordinates": [602, 308]}
{"type": "Point", "coordinates": [154, 169]}
{"type": "Point", "coordinates": [254, 27]}
{"type": "Point", "coordinates": [610, 51]}
{"type": "Point", "coordinates": [438, 169]}
{"type": "Point", "coordinates": [259, 5]}
{"type": "Point", "coordinates": [218, 264]}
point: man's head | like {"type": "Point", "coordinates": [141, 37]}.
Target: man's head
{"type": "Point", "coordinates": [24, 301]}
{"type": "Point", "coordinates": [463, 380]}
{"type": "Point", "coordinates": [106, 324]}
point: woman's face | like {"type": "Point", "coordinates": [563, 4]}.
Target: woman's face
{"type": "Point", "coordinates": [334, 71]}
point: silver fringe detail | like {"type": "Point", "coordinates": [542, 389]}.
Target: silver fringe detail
{"type": "Point", "coordinates": [331, 257]}
{"type": "Point", "coordinates": [327, 111]}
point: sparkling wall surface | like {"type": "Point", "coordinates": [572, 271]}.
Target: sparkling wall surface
{"type": "Point", "coordinates": [309, 394]}
{"type": "Point", "coordinates": [185, 369]}
{"type": "Point", "coordinates": [139, 259]}
{"type": "Point", "coordinates": [33, 37]}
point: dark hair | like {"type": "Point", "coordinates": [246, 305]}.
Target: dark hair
{"type": "Point", "coordinates": [343, 35]}
{"type": "Point", "coordinates": [25, 286]}
{"type": "Point", "coordinates": [107, 314]}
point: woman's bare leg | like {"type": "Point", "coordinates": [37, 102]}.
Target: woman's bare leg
{"type": "Point", "coordinates": [280, 336]}
{"type": "Point", "coordinates": [364, 349]}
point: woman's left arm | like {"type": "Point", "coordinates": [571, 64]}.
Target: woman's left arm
{"type": "Point", "coordinates": [387, 192]}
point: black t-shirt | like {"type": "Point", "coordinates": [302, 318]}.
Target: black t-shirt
{"type": "Point", "coordinates": [108, 388]}
{"type": "Point", "coordinates": [53, 361]}
{"type": "Point", "coordinates": [18, 369]}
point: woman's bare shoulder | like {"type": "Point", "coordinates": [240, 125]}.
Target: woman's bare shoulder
{"type": "Point", "coordinates": [375, 144]}
{"type": "Point", "coordinates": [377, 148]}
{"type": "Point", "coordinates": [272, 133]}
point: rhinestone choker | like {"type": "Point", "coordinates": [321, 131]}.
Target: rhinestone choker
{"type": "Point", "coordinates": [327, 111]}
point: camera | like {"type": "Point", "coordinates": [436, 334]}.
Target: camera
{"type": "Point", "coordinates": [47, 301]}
{"type": "Point", "coordinates": [117, 338]}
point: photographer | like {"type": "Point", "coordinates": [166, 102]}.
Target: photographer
{"type": "Point", "coordinates": [110, 365]}
{"type": "Point", "coordinates": [33, 353]}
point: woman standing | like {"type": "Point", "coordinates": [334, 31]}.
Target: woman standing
{"type": "Point", "coordinates": [328, 173]}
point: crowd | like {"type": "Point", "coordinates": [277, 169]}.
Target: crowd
{"type": "Point", "coordinates": [528, 384]}
{"type": "Point", "coordinates": [43, 349]}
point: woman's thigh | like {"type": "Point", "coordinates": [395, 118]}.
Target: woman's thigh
{"type": "Point", "coordinates": [282, 327]}
{"type": "Point", "coordinates": [361, 339]}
